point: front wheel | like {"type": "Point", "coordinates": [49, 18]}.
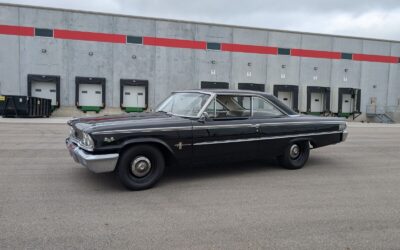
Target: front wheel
{"type": "Point", "coordinates": [140, 167]}
{"type": "Point", "coordinates": [296, 155]}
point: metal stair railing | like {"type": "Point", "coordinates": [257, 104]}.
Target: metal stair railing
{"type": "Point", "coordinates": [384, 114]}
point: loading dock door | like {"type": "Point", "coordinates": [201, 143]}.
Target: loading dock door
{"type": "Point", "coordinates": [90, 95]}
{"type": "Point", "coordinates": [46, 90]}
{"type": "Point", "coordinates": [286, 97]}
{"type": "Point", "coordinates": [347, 103]}
{"type": "Point", "coordinates": [45, 86]}
{"type": "Point", "coordinates": [252, 86]}
{"type": "Point", "coordinates": [214, 85]}
{"type": "Point", "coordinates": [134, 96]}
{"type": "Point", "coordinates": [317, 102]}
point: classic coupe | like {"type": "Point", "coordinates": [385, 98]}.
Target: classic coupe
{"type": "Point", "coordinates": [199, 127]}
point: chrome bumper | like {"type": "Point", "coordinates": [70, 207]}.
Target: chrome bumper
{"type": "Point", "coordinates": [95, 163]}
{"type": "Point", "coordinates": [344, 135]}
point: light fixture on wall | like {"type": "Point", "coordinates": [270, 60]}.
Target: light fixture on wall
{"type": "Point", "coordinates": [374, 86]}
{"type": "Point", "coordinates": [134, 57]}
{"type": "Point", "coordinates": [283, 66]}
{"type": "Point", "coordinates": [346, 70]}
{"type": "Point", "coordinates": [249, 64]}
{"type": "Point", "coordinates": [315, 68]}
{"type": "Point", "coordinates": [91, 53]}
{"type": "Point", "coordinates": [44, 51]}
{"type": "Point", "coordinates": [213, 62]}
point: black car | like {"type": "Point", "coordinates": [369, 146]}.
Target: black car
{"type": "Point", "coordinates": [197, 127]}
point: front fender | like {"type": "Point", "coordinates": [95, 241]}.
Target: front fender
{"type": "Point", "coordinates": [147, 140]}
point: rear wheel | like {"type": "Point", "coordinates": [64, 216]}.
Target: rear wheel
{"type": "Point", "coordinates": [296, 155]}
{"type": "Point", "coordinates": [140, 167]}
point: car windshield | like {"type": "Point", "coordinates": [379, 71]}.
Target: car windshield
{"type": "Point", "coordinates": [184, 104]}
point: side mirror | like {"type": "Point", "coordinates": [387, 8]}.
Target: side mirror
{"type": "Point", "coordinates": [204, 117]}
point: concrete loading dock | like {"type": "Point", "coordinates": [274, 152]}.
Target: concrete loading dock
{"type": "Point", "coordinates": [134, 95]}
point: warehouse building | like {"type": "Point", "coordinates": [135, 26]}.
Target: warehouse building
{"type": "Point", "coordinates": [87, 61]}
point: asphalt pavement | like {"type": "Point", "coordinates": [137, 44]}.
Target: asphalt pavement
{"type": "Point", "coordinates": [346, 197]}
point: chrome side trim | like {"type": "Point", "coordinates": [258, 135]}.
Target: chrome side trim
{"type": "Point", "coordinates": [265, 138]}
{"type": "Point", "coordinates": [144, 130]}
{"type": "Point", "coordinates": [247, 125]}
{"type": "Point", "coordinates": [299, 123]}
{"type": "Point", "coordinates": [263, 124]}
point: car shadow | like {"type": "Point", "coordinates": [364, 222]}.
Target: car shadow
{"type": "Point", "coordinates": [179, 174]}
{"type": "Point", "coordinates": [223, 170]}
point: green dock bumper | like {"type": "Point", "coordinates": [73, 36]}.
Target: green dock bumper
{"type": "Point", "coordinates": [90, 108]}
{"type": "Point", "coordinates": [133, 109]}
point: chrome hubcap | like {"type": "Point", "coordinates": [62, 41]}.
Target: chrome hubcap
{"type": "Point", "coordinates": [140, 166]}
{"type": "Point", "coordinates": [294, 151]}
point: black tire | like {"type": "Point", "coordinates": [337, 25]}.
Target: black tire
{"type": "Point", "coordinates": [130, 174]}
{"type": "Point", "coordinates": [294, 161]}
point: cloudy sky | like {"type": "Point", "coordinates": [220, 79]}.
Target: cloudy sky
{"type": "Point", "coordinates": [366, 18]}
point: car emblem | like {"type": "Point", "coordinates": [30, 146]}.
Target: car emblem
{"type": "Point", "coordinates": [109, 140]}
{"type": "Point", "coordinates": [179, 145]}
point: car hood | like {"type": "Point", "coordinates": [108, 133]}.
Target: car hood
{"type": "Point", "coordinates": [127, 121]}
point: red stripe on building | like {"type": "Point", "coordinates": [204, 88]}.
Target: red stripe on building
{"type": "Point", "coordinates": [175, 43]}
{"type": "Point", "coordinates": [375, 58]}
{"type": "Point", "coordinates": [89, 36]}
{"type": "Point", "coordinates": [316, 54]}
{"type": "Point", "coordinates": [231, 47]}
{"type": "Point", "coordinates": [17, 30]}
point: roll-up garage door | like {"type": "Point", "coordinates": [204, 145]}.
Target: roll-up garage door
{"type": "Point", "coordinates": [90, 93]}
{"type": "Point", "coordinates": [347, 103]}
{"type": "Point", "coordinates": [286, 97]}
{"type": "Point", "coordinates": [134, 95]}
{"type": "Point", "coordinates": [288, 94]}
{"type": "Point", "coordinates": [45, 86]}
{"type": "Point", "coordinates": [318, 99]}
{"type": "Point", "coordinates": [317, 102]}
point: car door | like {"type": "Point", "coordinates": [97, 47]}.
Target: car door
{"type": "Point", "coordinates": [226, 133]}
{"type": "Point", "coordinates": [273, 127]}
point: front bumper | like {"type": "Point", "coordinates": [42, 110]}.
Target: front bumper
{"type": "Point", "coordinates": [96, 163]}
{"type": "Point", "coordinates": [344, 135]}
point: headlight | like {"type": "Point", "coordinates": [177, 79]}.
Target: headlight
{"type": "Point", "coordinates": [87, 141]}
{"type": "Point", "coordinates": [342, 126]}
{"type": "Point", "coordinates": [71, 132]}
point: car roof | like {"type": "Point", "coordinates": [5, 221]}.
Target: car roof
{"type": "Point", "coordinates": [272, 98]}
{"type": "Point", "coordinates": [227, 91]}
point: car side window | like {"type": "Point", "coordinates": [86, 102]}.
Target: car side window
{"type": "Point", "coordinates": [215, 109]}
{"type": "Point", "coordinates": [230, 107]}
{"type": "Point", "coordinates": [263, 108]}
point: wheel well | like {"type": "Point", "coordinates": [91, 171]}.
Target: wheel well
{"type": "Point", "coordinates": [168, 156]}
{"type": "Point", "coordinates": [309, 140]}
